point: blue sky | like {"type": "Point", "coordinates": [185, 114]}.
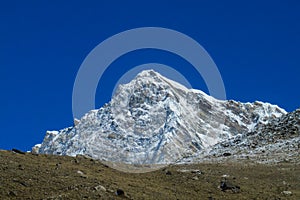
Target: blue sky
{"type": "Point", "coordinates": [42, 45]}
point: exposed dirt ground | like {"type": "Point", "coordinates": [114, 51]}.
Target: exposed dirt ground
{"type": "Point", "coordinates": [29, 176]}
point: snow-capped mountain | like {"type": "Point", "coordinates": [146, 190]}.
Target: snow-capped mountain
{"type": "Point", "coordinates": [154, 120]}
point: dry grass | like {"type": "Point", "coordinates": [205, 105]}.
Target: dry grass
{"type": "Point", "coordinates": [56, 177]}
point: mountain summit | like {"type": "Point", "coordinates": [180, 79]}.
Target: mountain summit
{"type": "Point", "coordinates": [154, 120]}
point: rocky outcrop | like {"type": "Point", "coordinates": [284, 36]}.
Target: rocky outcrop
{"type": "Point", "coordinates": [276, 141]}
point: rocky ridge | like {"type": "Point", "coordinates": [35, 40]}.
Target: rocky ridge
{"type": "Point", "coordinates": [276, 141]}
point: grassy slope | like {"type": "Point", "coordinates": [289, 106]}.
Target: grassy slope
{"type": "Point", "coordinates": [55, 177]}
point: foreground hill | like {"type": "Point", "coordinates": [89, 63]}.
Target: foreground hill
{"type": "Point", "coordinates": [32, 176]}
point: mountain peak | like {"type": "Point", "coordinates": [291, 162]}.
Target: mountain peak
{"type": "Point", "coordinates": [148, 73]}
{"type": "Point", "coordinates": [150, 76]}
{"type": "Point", "coordinates": [154, 120]}
{"type": "Point", "coordinates": [148, 85]}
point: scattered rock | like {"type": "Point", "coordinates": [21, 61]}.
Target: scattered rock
{"type": "Point", "coordinates": [12, 193]}
{"type": "Point", "coordinates": [195, 178]}
{"type": "Point", "coordinates": [110, 190]}
{"type": "Point", "coordinates": [225, 175]}
{"type": "Point", "coordinates": [226, 185]}
{"type": "Point", "coordinates": [58, 165]}
{"type": "Point", "coordinates": [100, 188]}
{"type": "Point", "coordinates": [288, 193]}
{"type": "Point", "coordinates": [196, 171]}
{"type": "Point", "coordinates": [193, 171]}
{"type": "Point", "coordinates": [226, 154]}
{"type": "Point", "coordinates": [21, 167]}
{"type": "Point", "coordinates": [183, 170]}
{"type": "Point", "coordinates": [120, 192]}
{"type": "Point", "coordinates": [81, 174]}
{"type": "Point", "coordinates": [168, 172]}
{"type": "Point", "coordinates": [20, 182]}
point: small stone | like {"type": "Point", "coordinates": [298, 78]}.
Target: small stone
{"type": "Point", "coordinates": [12, 193]}
{"type": "Point", "coordinates": [225, 185]}
{"type": "Point", "coordinates": [168, 172]}
{"type": "Point", "coordinates": [20, 182]}
{"type": "Point", "coordinates": [21, 167]}
{"type": "Point", "coordinates": [183, 170]}
{"type": "Point", "coordinates": [110, 190]}
{"type": "Point", "coordinates": [196, 171]}
{"type": "Point", "coordinates": [58, 165]}
{"type": "Point", "coordinates": [226, 154]}
{"type": "Point", "coordinates": [81, 174]}
{"type": "Point", "coordinates": [288, 193]}
{"type": "Point", "coordinates": [195, 178]}
{"type": "Point", "coordinates": [100, 188]}
{"type": "Point", "coordinates": [225, 175]}
{"type": "Point", "coordinates": [120, 192]}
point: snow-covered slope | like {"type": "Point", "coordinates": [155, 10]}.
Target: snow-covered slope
{"type": "Point", "coordinates": [154, 120]}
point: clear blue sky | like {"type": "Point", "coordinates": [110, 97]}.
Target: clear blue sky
{"type": "Point", "coordinates": [43, 43]}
